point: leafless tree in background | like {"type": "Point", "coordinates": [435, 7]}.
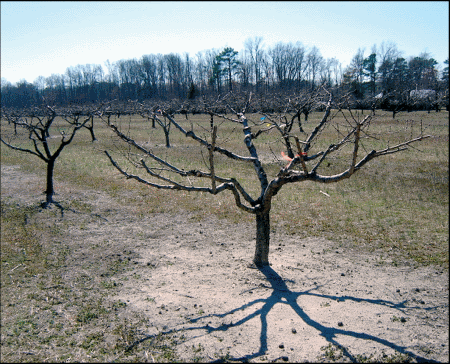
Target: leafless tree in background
{"type": "Point", "coordinates": [43, 132]}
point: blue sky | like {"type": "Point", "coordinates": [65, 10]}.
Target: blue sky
{"type": "Point", "coordinates": [41, 38]}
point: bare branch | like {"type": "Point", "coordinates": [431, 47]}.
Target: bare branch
{"type": "Point", "coordinates": [320, 126]}
{"type": "Point", "coordinates": [401, 146]}
{"type": "Point", "coordinates": [229, 185]}
{"type": "Point", "coordinates": [251, 148]}
{"type": "Point", "coordinates": [211, 158]}
{"type": "Point", "coordinates": [223, 151]}
{"type": "Point", "coordinates": [300, 155]}
{"type": "Point", "coordinates": [355, 150]}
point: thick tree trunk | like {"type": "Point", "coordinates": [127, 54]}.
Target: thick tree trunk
{"type": "Point", "coordinates": [289, 151]}
{"type": "Point", "coordinates": [49, 192]}
{"type": "Point", "coordinates": [91, 130]}
{"type": "Point", "coordinates": [166, 134]}
{"type": "Point", "coordinates": [299, 115]}
{"type": "Point", "coordinates": [262, 239]}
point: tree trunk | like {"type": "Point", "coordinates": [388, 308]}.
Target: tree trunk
{"type": "Point", "coordinates": [262, 238]}
{"type": "Point", "coordinates": [91, 130]}
{"type": "Point", "coordinates": [49, 192]}
{"type": "Point", "coordinates": [306, 112]}
{"type": "Point", "coordinates": [299, 114]}
{"type": "Point", "coordinates": [166, 134]}
{"type": "Point", "coordinates": [289, 151]}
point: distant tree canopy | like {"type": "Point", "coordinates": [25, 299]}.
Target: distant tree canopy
{"type": "Point", "coordinates": [284, 67]}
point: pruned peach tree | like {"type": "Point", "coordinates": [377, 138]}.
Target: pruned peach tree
{"type": "Point", "coordinates": [44, 132]}
{"type": "Point", "coordinates": [239, 142]}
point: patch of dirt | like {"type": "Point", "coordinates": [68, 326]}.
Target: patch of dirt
{"type": "Point", "coordinates": [316, 302]}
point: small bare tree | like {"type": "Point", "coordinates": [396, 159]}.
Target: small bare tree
{"type": "Point", "coordinates": [44, 133]}
{"type": "Point", "coordinates": [162, 121]}
{"type": "Point", "coordinates": [161, 173]}
{"type": "Point", "coordinates": [302, 104]}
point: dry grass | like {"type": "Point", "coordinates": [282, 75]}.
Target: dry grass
{"type": "Point", "coordinates": [397, 204]}
{"type": "Point", "coordinates": [51, 312]}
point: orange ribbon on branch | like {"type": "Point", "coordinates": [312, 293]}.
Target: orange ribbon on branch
{"type": "Point", "coordinates": [304, 154]}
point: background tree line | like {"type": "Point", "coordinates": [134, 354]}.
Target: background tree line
{"type": "Point", "coordinates": [284, 67]}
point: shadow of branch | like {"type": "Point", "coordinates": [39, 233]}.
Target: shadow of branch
{"type": "Point", "coordinates": [282, 294]}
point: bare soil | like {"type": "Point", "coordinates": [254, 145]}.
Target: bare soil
{"type": "Point", "coordinates": [318, 301]}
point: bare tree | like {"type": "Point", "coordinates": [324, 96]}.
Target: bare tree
{"type": "Point", "coordinates": [329, 66]}
{"type": "Point", "coordinates": [152, 113]}
{"type": "Point", "coordinates": [289, 63]}
{"type": "Point", "coordinates": [42, 132]}
{"type": "Point", "coordinates": [254, 47]}
{"type": "Point", "coordinates": [315, 64]}
{"type": "Point", "coordinates": [354, 74]}
{"type": "Point", "coordinates": [258, 138]}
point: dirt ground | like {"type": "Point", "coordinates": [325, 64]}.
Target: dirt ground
{"type": "Point", "coordinates": [318, 301]}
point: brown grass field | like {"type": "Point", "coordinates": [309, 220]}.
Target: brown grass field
{"type": "Point", "coordinates": [397, 203]}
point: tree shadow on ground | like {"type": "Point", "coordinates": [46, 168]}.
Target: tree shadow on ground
{"type": "Point", "coordinates": [48, 205]}
{"type": "Point", "coordinates": [282, 294]}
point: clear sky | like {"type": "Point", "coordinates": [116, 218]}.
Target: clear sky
{"type": "Point", "coordinates": [41, 38]}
